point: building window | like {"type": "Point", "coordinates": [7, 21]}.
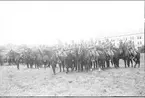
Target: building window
{"type": "Point", "coordinates": [139, 37]}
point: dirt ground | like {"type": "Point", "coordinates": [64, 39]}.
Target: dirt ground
{"type": "Point", "coordinates": [37, 82]}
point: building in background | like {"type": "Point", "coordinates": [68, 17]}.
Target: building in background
{"type": "Point", "coordinates": [137, 39]}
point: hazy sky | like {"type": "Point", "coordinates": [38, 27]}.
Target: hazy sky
{"type": "Point", "coordinates": [44, 22]}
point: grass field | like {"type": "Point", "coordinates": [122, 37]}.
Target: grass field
{"type": "Point", "coordinates": [110, 82]}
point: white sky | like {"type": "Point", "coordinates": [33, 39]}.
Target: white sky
{"type": "Point", "coordinates": [44, 22]}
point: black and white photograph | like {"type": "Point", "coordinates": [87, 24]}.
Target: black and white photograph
{"type": "Point", "coordinates": [72, 48]}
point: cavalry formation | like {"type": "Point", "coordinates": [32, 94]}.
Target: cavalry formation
{"type": "Point", "coordinates": [77, 57]}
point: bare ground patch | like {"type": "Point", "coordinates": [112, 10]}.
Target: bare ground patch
{"type": "Point", "coordinates": [110, 82]}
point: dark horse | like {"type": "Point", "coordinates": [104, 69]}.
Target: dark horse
{"type": "Point", "coordinates": [135, 55]}
{"type": "Point", "coordinates": [125, 54]}
{"type": "Point", "coordinates": [116, 57]}
{"type": "Point", "coordinates": [102, 59]}
{"type": "Point", "coordinates": [121, 53]}
{"type": "Point", "coordinates": [137, 59]}
{"type": "Point", "coordinates": [14, 57]}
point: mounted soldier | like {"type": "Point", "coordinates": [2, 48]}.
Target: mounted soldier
{"type": "Point", "coordinates": [14, 58]}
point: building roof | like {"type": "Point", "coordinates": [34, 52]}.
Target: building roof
{"type": "Point", "coordinates": [125, 35]}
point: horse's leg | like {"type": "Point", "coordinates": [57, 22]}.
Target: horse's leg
{"type": "Point", "coordinates": [107, 62]}
{"type": "Point", "coordinates": [60, 66]}
{"type": "Point", "coordinates": [27, 65]}
{"type": "Point", "coordinates": [49, 64]}
{"type": "Point", "coordinates": [79, 66]}
{"type": "Point", "coordinates": [135, 64]}
{"type": "Point", "coordinates": [99, 65]}
{"type": "Point", "coordinates": [53, 68]}
{"type": "Point", "coordinates": [104, 63]}
{"type": "Point", "coordinates": [112, 61]}
{"type": "Point", "coordinates": [18, 66]}
{"type": "Point", "coordinates": [0, 63]}
{"type": "Point", "coordinates": [136, 61]}
{"type": "Point", "coordinates": [96, 63]}
{"type": "Point", "coordinates": [86, 67]}
{"type": "Point", "coordinates": [9, 61]}
{"type": "Point", "coordinates": [139, 63]}
{"type": "Point", "coordinates": [72, 67]}
{"type": "Point", "coordinates": [63, 65]}
{"type": "Point", "coordinates": [67, 69]}
{"type": "Point", "coordinates": [91, 64]}
{"type": "Point", "coordinates": [125, 62]}
{"type": "Point", "coordinates": [35, 65]}
{"type": "Point", "coordinates": [31, 65]}
{"type": "Point", "coordinates": [128, 62]}
{"type": "Point", "coordinates": [45, 64]}
{"type": "Point", "coordinates": [17, 63]}
{"type": "Point", "coordinates": [131, 62]}
{"type": "Point", "coordinates": [76, 65]}
{"type": "Point", "coordinates": [82, 66]}
{"type": "Point", "coordinates": [117, 62]}
{"type": "Point", "coordinates": [38, 64]}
